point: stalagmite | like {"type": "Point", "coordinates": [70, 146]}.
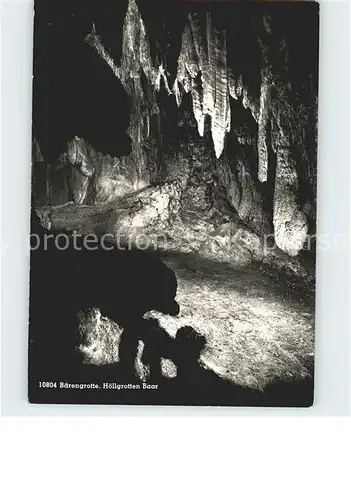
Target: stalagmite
{"type": "Point", "coordinates": [215, 84]}
{"type": "Point", "coordinates": [290, 224]}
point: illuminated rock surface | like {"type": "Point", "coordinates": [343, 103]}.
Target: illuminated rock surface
{"type": "Point", "coordinates": [250, 130]}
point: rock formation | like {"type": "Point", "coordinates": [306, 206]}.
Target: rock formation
{"type": "Point", "coordinates": [234, 126]}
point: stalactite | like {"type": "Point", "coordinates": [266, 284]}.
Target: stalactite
{"type": "Point", "coordinates": [262, 128]}
{"type": "Point", "coordinates": [225, 107]}
{"type": "Point", "coordinates": [208, 60]}
{"type": "Point", "coordinates": [202, 71]}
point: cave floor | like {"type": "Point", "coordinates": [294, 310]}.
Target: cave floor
{"type": "Point", "coordinates": [258, 331]}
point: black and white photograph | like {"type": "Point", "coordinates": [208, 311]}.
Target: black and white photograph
{"type": "Point", "coordinates": [173, 203]}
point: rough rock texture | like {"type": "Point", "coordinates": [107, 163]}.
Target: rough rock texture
{"type": "Point", "coordinates": [162, 219]}
{"type": "Point", "coordinates": [234, 128]}
{"type": "Point", "coordinates": [82, 175]}
{"type": "Point", "coordinates": [253, 336]}
{"type": "Point", "coordinates": [202, 71]}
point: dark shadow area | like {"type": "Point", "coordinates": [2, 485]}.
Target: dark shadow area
{"type": "Point", "coordinates": [293, 393]}
{"type": "Point", "coordinates": [123, 284]}
{"type": "Point", "coordinates": [74, 92]}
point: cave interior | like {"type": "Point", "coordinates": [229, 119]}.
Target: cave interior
{"type": "Point", "coordinates": [197, 122]}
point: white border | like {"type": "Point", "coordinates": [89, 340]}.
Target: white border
{"type": "Point", "coordinates": [333, 289]}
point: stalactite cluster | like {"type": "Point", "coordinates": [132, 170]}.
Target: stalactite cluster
{"type": "Point", "coordinates": [246, 131]}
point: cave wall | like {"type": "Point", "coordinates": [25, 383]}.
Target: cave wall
{"type": "Point", "coordinates": [228, 110]}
